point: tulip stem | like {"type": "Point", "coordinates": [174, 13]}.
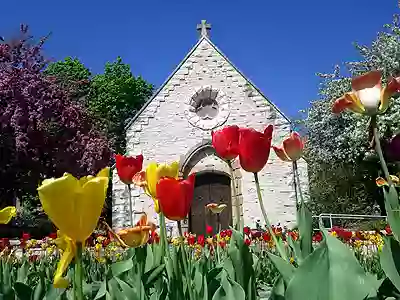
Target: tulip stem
{"type": "Point", "coordinates": [234, 196]}
{"type": "Point", "coordinates": [378, 149]}
{"type": "Point", "coordinates": [185, 263]}
{"type": "Point", "coordinates": [267, 222]}
{"type": "Point", "coordinates": [130, 204]}
{"type": "Point", "coordinates": [163, 234]}
{"type": "Point", "coordinates": [78, 286]}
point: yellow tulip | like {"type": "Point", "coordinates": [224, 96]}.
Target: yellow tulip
{"type": "Point", "coordinates": [149, 178]}
{"type": "Point", "coordinates": [7, 213]}
{"type": "Point", "coordinates": [216, 208]}
{"type": "Point", "coordinates": [74, 206]}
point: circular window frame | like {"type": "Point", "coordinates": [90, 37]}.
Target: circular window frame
{"type": "Point", "coordinates": [221, 100]}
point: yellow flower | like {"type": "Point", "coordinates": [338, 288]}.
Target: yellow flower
{"type": "Point", "coordinates": [149, 178]}
{"type": "Point", "coordinates": [74, 206]}
{"type": "Point", "coordinates": [333, 233]}
{"type": "Point", "coordinates": [216, 208]}
{"type": "Point", "coordinates": [380, 181]}
{"type": "Point", "coordinates": [136, 236]}
{"type": "Point", "coordinates": [7, 213]}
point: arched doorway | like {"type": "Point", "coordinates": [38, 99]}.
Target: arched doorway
{"type": "Point", "coordinates": [210, 187]}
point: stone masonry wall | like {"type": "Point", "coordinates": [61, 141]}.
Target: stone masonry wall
{"type": "Point", "coordinates": [163, 133]}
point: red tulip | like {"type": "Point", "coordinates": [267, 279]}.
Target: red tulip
{"type": "Point", "coordinates": [247, 242]}
{"type": "Point", "coordinates": [226, 142]}
{"type": "Point", "coordinates": [291, 149]}
{"type": "Point", "coordinates": [128, 166]}
{"type": "Point", "coordinates": [175, 196]}
{"type": "Point", "coordinates": [201, 240]}
{"type": "Point", "coordinates": [254, 148]}
{"type": "Point", "coordinates": [209, 230]}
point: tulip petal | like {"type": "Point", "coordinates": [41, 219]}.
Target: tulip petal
{"type": "Point", "coordinates": [280, 152]}
{"type": "Point", "coordinates": [7, 213]}
{"type": "Point", "coordinates": [348, 101]}
{"type": "Point", "coordinates": [171, 170]}
{"type": "Point", "coordinates": [89, 207]}
{"type": "Point", "coordinates": [66, 258]}
{"type": "Point", "coordinates": [381, 182]}
{"type": "Point", "coordinates": [387, 92]}
{"type": "Point", "coordinates": [151, 179]}
{"type": "Point", "coordinates": [368, 80]}
{"type": "Point", "coordinates": [58, 197]}
{"type": "Point", "coordinates": [136, 236]}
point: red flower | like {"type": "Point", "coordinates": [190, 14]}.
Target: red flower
{"type": "Point", "coordinates": [128, 166]}
{"type": "Point", "coordinates": [266, 236]}
{"type": "Point", "coordinates": [191, 239]}
{"type": "Point", "coordinates": [201, 240]}
{"type": "Point", "coordinates": [175, 196]}
{"type": "Point", "coordinates": [388, 230]}
{"type": "Point", "coordinates": [246, 230]}
{"type": "Point", "coordinates": [247, 242]}
{"type": "Point", "coordinates": [294, 235]}
{"type": "Point", "coordinates": [317, 237]}
{"type": "Point", "coordinates": [222, 234]}
{"type": "Point", "coordinates": [226, 142]}
{"type": "Point", "coordinates": [209, 230]}
{"type": "Point", "coordinates": [26, 236]}
{"type": "Point", "coordinates": [222, 244]}
{"type": "Point", "coordinates": [254, 148]}
{"type": "Point", "coordinates": [4, 242]}
{"type": "Point", "coordinates": [229, 232]}
{"type": "Point", "coordinates": [53, 235]}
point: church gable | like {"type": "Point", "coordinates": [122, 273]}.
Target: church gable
{"type": "Point", "coordinates": [206, 92]}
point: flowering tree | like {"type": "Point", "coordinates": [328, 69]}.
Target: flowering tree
{"type": "Point", "coordinates": [42, 132]}
{"type": "Point", "coordinates": [111, 98]}
{"type": "Point", "coordinates": [342, 167]}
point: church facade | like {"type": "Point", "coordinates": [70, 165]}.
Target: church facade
{"type": "Point", "coordinates": [204, 93]}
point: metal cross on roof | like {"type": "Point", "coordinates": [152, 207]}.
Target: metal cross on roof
{"type": "Point", "coordinates": [204, 28]}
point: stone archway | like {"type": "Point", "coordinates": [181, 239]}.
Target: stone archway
{"type": "Point", "coordinates": [204, 161]}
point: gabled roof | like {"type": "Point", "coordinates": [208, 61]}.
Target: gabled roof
{"type": "Point", "coordinates": [180, 65]}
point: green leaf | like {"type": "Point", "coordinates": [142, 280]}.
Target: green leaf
{"type": "Point", "coordinates": [278, 291]}
{"type": "Point", "coordinates": [149, 259]}
{"type": "Point", "coordinates": [39, 291]}
{"type": "Point", "coordinates": [393, 210]}
{"type": "Point", "coordinates": [284, 267]}
{"type": "Point", "coordinates": [390, 260]}
{"type": "Point", "coordinates": [304, 219]}
{"type": "Point", "coordinates": [228, 290]}
{"type": "Point", "coordinates": [331, 272]}
{"type": "Point", "coordinates": [120, 267]}
{"type": "Point", "coordinates": [152, 275]}
{"type": "Point", "coordinates": [296, 248]}
{"type": "Point", "coordinates": [129, 292]}
{"type": "Point", "coordinates": [23, 272]}
{"type": "Point", "coordinates": [23, 291]}
{"type": "Point", "coordinates": [114, 290]}
{"type": "Point", "coordinates": [102, 290]}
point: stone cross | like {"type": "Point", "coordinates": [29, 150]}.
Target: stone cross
{"type": "Point", "coordinates": [204, 27]}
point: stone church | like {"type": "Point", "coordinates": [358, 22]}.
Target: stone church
{"type": "Point", "coordinates": [205, 92]}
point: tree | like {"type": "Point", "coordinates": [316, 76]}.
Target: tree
{"type": "Point", "coordinates": [43, 133]}
{"type": "Point", "coordinates": [115, 97]}
{"type": "Point", "coordinates": [112, 98]}
{"type": "Point", "coordinates": [342, 167]}
{"type": "Point", "coordinates": [71, 75]}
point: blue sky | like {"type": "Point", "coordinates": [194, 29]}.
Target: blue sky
{"type": "Point", "coordinates": [279, 45]}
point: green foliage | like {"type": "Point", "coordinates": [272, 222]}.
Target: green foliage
{"type": "Point", "coordinates": [115, 97]}
{"type": "Point", "coordinates": [71, 75]}
{"type": "Point", "coordinates": [341, 167]}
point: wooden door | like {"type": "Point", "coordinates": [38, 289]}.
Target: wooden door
{"type": "Point", "coordinates": [210, 188]}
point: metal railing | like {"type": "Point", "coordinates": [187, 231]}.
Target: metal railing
{"type": "Point", "coordinates": [332, 217]}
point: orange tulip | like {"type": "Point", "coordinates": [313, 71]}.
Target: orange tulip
{"type": "Point", "coordinates": [367, 95]}
{"type": "Point", "coordinates": [138, 235]}
{"type": "Point", "coordinates": [291, 149]}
